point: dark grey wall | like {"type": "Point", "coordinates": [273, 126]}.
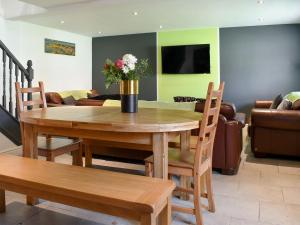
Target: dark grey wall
{"type": "Point", "coordinates": [259, 62]}
{"type": "Point", "coordinates": [113, 47]}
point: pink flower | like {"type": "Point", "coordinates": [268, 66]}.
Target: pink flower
{"type": "Point", "coordinates": [119, 64]}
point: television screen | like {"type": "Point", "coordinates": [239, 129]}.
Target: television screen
{"type": "Point", "coordinates": [186, 59]}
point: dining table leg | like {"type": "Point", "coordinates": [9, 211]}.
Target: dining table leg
{"type": "Point", "coordinates": [30, 150]}
{"type": "Point", "coordinates": [160, 154]}
{"type": "Point", "coordinates": [185, 182]}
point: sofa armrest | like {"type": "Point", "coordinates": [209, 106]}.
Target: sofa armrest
{"type": "Point", "coordinates": [278, 119]}
{"type": "Point", "coordinates": [263, 104]}
{"type": "Point", "coordinates": [89, 102]}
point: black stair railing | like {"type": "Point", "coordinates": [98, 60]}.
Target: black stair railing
{"type": "Point", "coordinates": [11, 68]}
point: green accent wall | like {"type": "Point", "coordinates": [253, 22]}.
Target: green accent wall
{"type": "Point", "coordinates": [189, 84]}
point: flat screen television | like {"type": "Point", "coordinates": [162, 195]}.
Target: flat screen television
{"type": "Point", "coordinates": [186, 59]}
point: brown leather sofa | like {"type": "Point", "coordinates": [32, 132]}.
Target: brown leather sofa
{"type": "Point", "coordinates": [55, 100]}
{"type": "Point", "coordinates": [227, 148]}
{"type": "Point", "coordinates": [274, 132]}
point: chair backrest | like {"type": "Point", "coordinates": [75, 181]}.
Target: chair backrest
{"type": "Point", "coordinates": [208, 124]}
{"type": "Point", "coordinates": [24, 105]}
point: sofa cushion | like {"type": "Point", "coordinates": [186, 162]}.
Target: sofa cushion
{"type": "Point", "coordinates": [54, 97]}
{"type": "Point", "coordinates": [70, 100]}
{"type": "Point", "coordinates": [276, 102]}
{"type": "Point", "coordinates": [77, 94]}
{"type": "Point", "coordinates": [293, 96]}
{"type": "Point", "coordinates": [285, 105]}
{"type": "Point", "coordinates": [296, 105]}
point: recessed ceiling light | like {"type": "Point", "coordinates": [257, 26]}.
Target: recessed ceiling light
{"type": "Point", "coordinates": [99, 32]}
{"type": "Point", "coordinates": [160, 26]}
{"type": "Point", "coordinates": [260, 19]}
{"type": "Point", "coordinates": [260, 2]}
{"type": "Point", "coordinates": [62, 22]}
{"type": "Point", "coordinates": [135, 13]}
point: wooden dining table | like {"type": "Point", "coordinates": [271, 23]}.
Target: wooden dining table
{"type": "Point", "coordinates": [152, 127]}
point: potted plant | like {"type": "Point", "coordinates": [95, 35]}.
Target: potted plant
{"type": "Point", "coordinates": [127, 72]}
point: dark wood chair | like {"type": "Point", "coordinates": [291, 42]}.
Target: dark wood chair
{"type": "Point", "coordinates": [197, 163]}
{"type": "Point", "coordinates": [49, 147]}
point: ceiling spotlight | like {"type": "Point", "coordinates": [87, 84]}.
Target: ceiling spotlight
{"type": "Point", "coordinates": [135, 13]}
{"type": "Point", "coordinates": [99, 32]}
{"type": "Point", "coordinates": [260, 19]}
{"type": "Point", "coordinates": [160, 26]}
{"type": "Point", "coordinates": [62, 22]}
{"type": "Point", "coordinates": [260, 2]}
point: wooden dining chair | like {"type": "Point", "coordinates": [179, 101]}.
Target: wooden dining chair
{"type": "Point", "coordinates": [197, 163]}
{"type": "Point", "coordinates": [49, 147]}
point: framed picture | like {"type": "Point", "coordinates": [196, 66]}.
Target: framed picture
{"type": "Point", "coordinates": [59, 47]}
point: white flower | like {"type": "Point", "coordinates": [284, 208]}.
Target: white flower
{"type": "Point", "coordinates": [131, 66]}
{"type": "Point", "coordinates": [129, 59]}
{"type": "Point", "coordinates": [125, 69]}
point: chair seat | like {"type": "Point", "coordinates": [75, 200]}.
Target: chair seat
{"type": "Point", "coordinates": [177, 158]}
{"type": "Point", "coordinates": [175, 143]}
{"type": "Point", "coordinates": [54, 143]}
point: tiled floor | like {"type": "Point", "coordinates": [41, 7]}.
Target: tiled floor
{"type": "Point", "coordinates": [265, 192]}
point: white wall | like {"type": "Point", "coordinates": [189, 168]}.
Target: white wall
{"type": "Point", "coordinates": [59, 72]}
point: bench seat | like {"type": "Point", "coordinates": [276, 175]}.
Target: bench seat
{"type": "Point", "coordinates": [125, 195]}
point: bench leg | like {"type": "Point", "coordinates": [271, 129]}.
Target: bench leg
{"type": "Point", "coordinates": [148, 219]}
{"type": "Point", "coordinates": [165, 217]}
{"type": "Point", "coordinates": [77, 156]}
{"type": "Point", "coordinates": [2, 201]}
{"type": "Point", "coordinates": [88, 156]}
{"type": "Point", "coordinates": [50, 157]}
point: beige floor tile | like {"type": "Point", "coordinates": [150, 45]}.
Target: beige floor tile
{"type": "Point", "coordinates": [259, 192]}
{"type": "Point", "coordinates": [278, 213]}
{"type": "Point", "coordinates": [208, 219]}
{"type": "Point", "coordinates": [235, 221]}
{"type": "Point", "coordinates": [289, 167]}
{"type": "Point", "coordinates": [289, 170]}
{"type": "Point", "coordinates": [225, 188]}
{"type": "Point", "coordinates": [280, 180]}
{"type": "Point", "coordinates": [263, 167]}
{"type": "Point", "coordinates": [291, 195]}
{"type": "Point", "coordinates": [249, 176]}
{"type": "Point", "coordinates": [234, 207]}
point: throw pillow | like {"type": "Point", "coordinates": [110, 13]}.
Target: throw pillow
{"type": "Point", "coordinates": [296, 105]}
{"type": "Point", "coordinates": [276, 102]}
{"type": "Point", "coordinates": [54, 97]}
{"type": "Point", "coordinates": [70, 100]}
{"type": "Point", "coordinates": [293, 96]}
{"type": "Point", "coordinates": [285, 105]}
{"type": "Point", "coordinates": [91, 95]}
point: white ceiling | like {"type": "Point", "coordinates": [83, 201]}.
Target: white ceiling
{"type": "Point", "coordinates": [115, 17]}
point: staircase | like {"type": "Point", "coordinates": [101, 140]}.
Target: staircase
{"type": "Point", "coordinates": [12, 71]}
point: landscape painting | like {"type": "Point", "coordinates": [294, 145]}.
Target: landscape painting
{"type": "Point", "coordinates": [59, 47]}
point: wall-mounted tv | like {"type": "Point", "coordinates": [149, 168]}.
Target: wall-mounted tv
{"type": "Point", "coordinates": [186, 59]}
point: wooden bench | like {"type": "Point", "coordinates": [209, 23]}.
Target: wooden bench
{"type": "Point", "coordinates": [140, 198]}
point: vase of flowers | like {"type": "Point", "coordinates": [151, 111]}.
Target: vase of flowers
{"type": "Point", "coordinates": [126, 71]}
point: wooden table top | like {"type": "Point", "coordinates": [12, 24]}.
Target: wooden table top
{"type": "Point", "coordinates": [111, 119]}
{"type": "Point", "coordinates": [111, 188]}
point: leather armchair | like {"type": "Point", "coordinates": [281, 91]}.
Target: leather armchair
{"type": "Point", "coordinates": [274, 132]}
{"type": "Point", "coordinates": [229, 140]}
